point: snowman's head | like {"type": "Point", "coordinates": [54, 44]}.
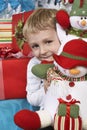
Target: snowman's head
{"type": "Point", "coordinates": [79, 22]}
{"type": "Point", "coordinates": [75, 72]}
{"type": "Point", "coordinates": [78, 14]}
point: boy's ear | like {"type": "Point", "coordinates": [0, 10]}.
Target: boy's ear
{"type": "Point", "coordinates": [40, 70]}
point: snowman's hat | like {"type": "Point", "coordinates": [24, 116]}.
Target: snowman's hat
{"type": "Point", "coordinates": [79, 8]}
{"type": "Point", "coordinates": [74, 54]}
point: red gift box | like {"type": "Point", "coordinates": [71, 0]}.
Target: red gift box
{"type": "Point", "coordinates": [64, 123]}
{"type": "Point", "coordinates": [7, 32]}
{"type": "Point", "coordinates": [13, 78]}
{"type": "Point", "coordinates": [13, 71]}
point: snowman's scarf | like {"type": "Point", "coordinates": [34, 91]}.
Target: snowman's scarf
{"type": "Point", "coordinates": [56, 74]}
{"type": "Point", "coordinates": [83, 78]}
{"type": "Point", "coordinates": [77, 32]}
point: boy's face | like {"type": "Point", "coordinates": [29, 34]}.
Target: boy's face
{"type": "Point", "coordinates": [44, 44]}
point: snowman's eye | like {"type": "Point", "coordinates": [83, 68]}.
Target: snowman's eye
{"type": "Point", "coordinates": [81, 18]}
{"type": "Point", "coordinates": [85, 18]}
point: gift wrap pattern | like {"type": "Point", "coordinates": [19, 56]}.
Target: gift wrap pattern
{"type": "Point", "coordinates": [64, 123]}
{"type": "Point", "coordinates": [5, 31]}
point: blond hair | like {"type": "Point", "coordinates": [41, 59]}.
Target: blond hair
{"type": "Point", "coordinates": [40, 19]}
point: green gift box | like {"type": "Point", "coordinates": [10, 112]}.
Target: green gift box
{"type": "Point", "coordinates": [68, 110]}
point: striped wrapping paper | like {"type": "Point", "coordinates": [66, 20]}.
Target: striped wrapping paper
{"type": "Point", "coordinates": [5, 31]}
{"type": "Point", "coordinates": [62, 123]}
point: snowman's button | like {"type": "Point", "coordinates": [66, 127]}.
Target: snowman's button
{"type": "Point", "coordinates": [68, 97]}
{"type": "Point", "coordinates": [71, 84]}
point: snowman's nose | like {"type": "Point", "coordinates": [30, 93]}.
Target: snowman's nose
{"type": "Point", "coordinates": [74, 71]}
{"type": "Point", "coordinates": [83, 22]}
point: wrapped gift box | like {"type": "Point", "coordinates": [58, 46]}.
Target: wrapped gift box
{"type": "Point", "coordinates": [13, 70]}
{"type": "Point", "coordinates": [13, 78]}
{"type": "Point", "coordinates": [71, 110]}
{"type": "Point", "coordinates": [64, 123]}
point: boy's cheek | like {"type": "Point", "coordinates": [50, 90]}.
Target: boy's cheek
{"type": "Point", "coordinates": [36, 54]}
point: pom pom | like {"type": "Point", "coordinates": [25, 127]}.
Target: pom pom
{"type": "Point", "coordinates": [62, 18]}
{"type": "Point", "coordinates": [71, 1]}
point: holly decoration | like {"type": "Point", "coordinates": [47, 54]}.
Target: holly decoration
{"type": "Point", "coordinates": [19, 33]}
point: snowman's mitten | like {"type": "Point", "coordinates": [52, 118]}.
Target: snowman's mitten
{"type": "Point", "coordinates": [40, 70]}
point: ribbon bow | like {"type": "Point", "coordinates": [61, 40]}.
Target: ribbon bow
{"type": "Point", "coordinates": [73, 101]}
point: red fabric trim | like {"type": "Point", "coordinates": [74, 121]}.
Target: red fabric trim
{"type": "Point", "coordinates": [46, 62]}
{"type": "Point", "coordinates": [80, 123]}
{"type": "Point", "coordinates": [67, 123]}
{"type": "Point", "coordinates": [73, 124]}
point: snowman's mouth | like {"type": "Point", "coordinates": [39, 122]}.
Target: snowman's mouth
{"type": "Point", "coordinates": [81, 26]}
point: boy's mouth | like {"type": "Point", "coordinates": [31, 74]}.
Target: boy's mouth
{"type": "Point", "coordinates": [47, 58]}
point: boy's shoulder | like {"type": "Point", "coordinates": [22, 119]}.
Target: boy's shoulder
{"type": "Point", "coordinates": [34, 61]}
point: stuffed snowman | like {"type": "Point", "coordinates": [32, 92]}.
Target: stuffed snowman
{"type": "Point", "coordinates": [65, 103]}
{"type": "Point", "coordinates": [73, 24]}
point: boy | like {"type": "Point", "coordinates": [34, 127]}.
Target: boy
{"type": "Point", "coordinates": [40, 32]}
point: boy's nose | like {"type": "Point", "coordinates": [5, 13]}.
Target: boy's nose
{"type": "Point", "coordinates": [43, 50]}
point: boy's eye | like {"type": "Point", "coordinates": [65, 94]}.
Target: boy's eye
{"type": "Point", "coordinates": [35, 46]}
{"type": "Point", "coordinates": [49, 41]}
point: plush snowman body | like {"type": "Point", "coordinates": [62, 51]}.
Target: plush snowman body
{"type": "Point", "coordinates": [61, 88]}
